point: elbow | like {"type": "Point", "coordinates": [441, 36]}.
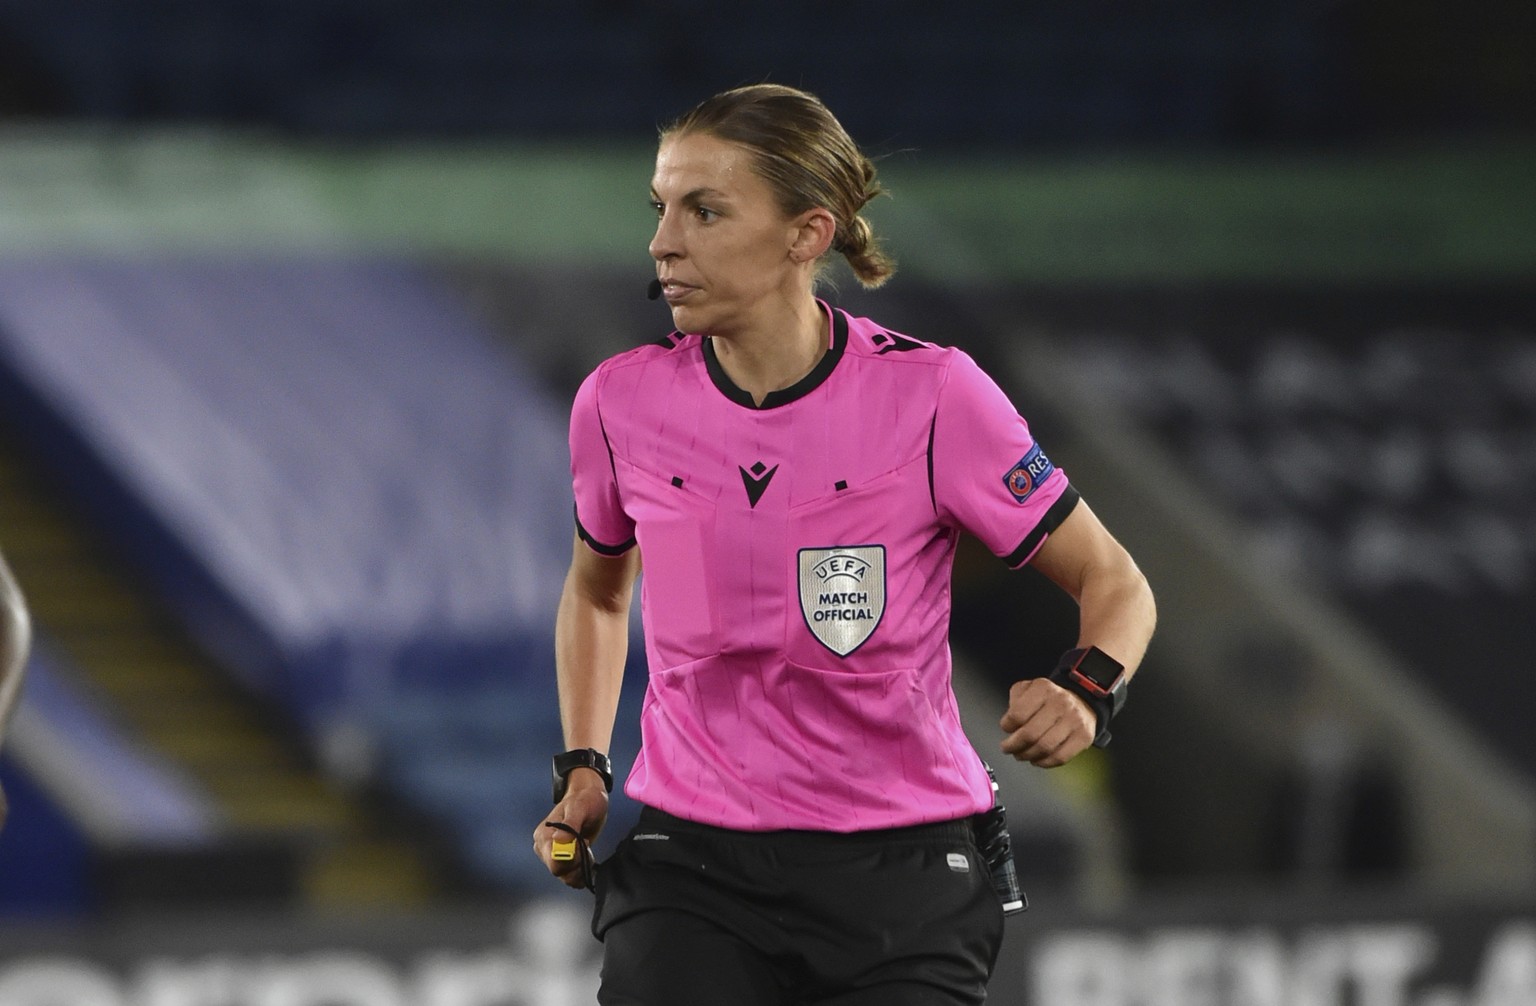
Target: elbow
{"type": "Point", "coordinates": [1139, 590]}
{"type": "Point", "coordinates": [1149, 603]}
{"type": "Point", "coordinates": [1135, 600]}
{"type": "Point", "coordinates": [21, 629]}
{"type": "Point", "coordinates": [15, 634]}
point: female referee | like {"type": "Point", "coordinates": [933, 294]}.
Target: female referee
{"type": "Point", "coordinates": [796, 479]}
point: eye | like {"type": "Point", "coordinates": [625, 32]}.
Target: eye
{"type": "Point", "coordinates": [658, 206]}
{"type": "Point", "coordinates": [705, 214]}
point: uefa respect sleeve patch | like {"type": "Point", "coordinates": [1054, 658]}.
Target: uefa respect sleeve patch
{"type": "Point", "coordinates": [1025, 477]}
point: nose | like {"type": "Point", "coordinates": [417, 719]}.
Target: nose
{"type": "Point", "coordinates": [667, 242]}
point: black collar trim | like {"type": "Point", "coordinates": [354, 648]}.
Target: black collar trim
{"type": "Point", "coordinates": [807, 384]}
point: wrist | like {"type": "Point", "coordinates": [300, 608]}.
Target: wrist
{"type": "Point", "coordinates": [583, 768]}
{"type": "Point", "coordinates": [581, 779]}
{"type": "Point", "coordinates": [1095, 712]}
{"type": "Point", "coordinates": [1098, 681]}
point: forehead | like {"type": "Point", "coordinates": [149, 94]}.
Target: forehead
{"type": "Point", "coordinates": [696, 161]}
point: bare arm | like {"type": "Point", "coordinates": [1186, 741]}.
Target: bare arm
{"type": "Point", "coordinates": [1046, 724]}
{"type": "Point", "coordinates": [1117, 612]}
{"type": "Point", "coordinates": [15, 641]}
{"type": "Point", "coordinates": [591, 644]}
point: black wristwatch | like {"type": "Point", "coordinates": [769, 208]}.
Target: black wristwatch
{"type": "Point", "coordinates": [1099, 679]}
{"type": "Point", "coordinates": [580, 758]}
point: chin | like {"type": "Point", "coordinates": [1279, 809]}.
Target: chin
{"type": "Point", "coordinates": [689, 320]}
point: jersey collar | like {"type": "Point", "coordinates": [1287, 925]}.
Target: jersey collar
{"type": "Point", "coordinates": [807, 384]}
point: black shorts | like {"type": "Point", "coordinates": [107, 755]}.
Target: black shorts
{"type": "Point", "coordinates": [691, 915]}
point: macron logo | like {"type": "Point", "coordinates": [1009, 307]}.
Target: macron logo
{"type": "Point", "coordinates": [756, 480]}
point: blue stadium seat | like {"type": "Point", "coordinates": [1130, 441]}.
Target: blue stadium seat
{"type": "Point", "coordinates": [348, 491]}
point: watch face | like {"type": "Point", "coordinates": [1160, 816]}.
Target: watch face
{"type": "Point", "coordinates": [1100, 668]}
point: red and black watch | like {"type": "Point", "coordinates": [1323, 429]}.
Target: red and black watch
{"type": "Point", "coordinates": [1099, 679]}
{"type": "Point", "coordinates": [590, 758]}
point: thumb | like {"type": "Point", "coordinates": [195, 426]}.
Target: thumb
{"type": "Point", "coordinates": [579, 813]}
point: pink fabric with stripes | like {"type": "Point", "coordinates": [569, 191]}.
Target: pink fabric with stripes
{"type": "Point", "coordinates": [798, 643]}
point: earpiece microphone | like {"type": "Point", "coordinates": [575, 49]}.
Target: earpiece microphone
{"type": "Point", "coordinates": [653, 292]}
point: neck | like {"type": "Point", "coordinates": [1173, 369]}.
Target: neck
{"type": "Point", "coordinates": [777, 352]}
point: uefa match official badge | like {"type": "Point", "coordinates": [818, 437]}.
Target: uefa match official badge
{"type": "Point", "coordinates": [842, 594]}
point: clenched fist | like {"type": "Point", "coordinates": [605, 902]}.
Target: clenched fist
{"type": "Point", "coordinates": [1046, 725]}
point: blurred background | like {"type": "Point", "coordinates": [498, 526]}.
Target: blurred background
{"type": "Point", "coordinates": [294, 298]}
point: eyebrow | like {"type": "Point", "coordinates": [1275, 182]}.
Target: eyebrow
{"type": "Point", "coordinates": [692, 197]}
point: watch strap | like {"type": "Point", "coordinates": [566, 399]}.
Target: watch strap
{"type": "Point", "coordinates": [568, 761]}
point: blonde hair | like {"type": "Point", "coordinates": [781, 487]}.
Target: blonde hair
{"type": "Point", "coordinates": [807, 158]}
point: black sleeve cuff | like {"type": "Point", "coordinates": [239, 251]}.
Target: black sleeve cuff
{"type": "Point", "coordinates": [1050, 522]}
{"type": "Point", "coordinates": [602, 548]}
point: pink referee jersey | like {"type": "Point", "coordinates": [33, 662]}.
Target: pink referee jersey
{"type": "Point", "coordinates": [797, 560]}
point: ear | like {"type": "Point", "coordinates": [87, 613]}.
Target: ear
{"type": "Point", "coordinates": [812, 235]}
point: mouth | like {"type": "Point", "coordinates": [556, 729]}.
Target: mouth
{"type": "Point", "coordinates": [673, 291]}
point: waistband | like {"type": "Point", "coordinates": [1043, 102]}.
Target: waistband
{"type": "Point", "coordinates": [653, 820]}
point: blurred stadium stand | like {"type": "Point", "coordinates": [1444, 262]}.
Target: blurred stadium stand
{"type": "Point", "coordinates": [225, 806]}
{"type": "Point", "coordinates": [1211, 72]}
{"type": "Point", "coordinates": [283, 411]}
{"type": "Point", "coordinates": [113, 793]}
{"type": "Point", "coordinates": [351, 501]}
{"type": "Point", "coordinates": [1195, 71]}
{"type": "Point", "coordinates": [1377, 446]}
{"type": "Point", "coordinates": [1342, 671]}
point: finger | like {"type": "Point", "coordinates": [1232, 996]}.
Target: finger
{"type": "Point", "coordinates": [1046, 732]}
{"type": "Point", "coordinates": [541, 849]}
{"type": "Point", "coordinates": [1063, 754]}
{"type": "Point", "coordinates": [1070, 738]}
{"type": "Point", "coordinates": [568, 874]}
{"type": "Point", "coordinates": [567, 871]}
{"type": "Point", "coordinates": [545, 836]}
{"type": "Point", "coordinates": [1023, 707]}
{"type": "Point", "coordinates": [580, 814]}
{"type": "Point", "coordinates": [1017, 712]}
{"type": "Point", "coordinates": [1015, 745]}
{"type": "Point", "coordinates": [547, 846]}
{"type": "Point", "coordinates": [1057, 746]}
{"type": "Point", "coordinates": [1024, 742]}
{"type": "Point", "coordinates": [564, 850]}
